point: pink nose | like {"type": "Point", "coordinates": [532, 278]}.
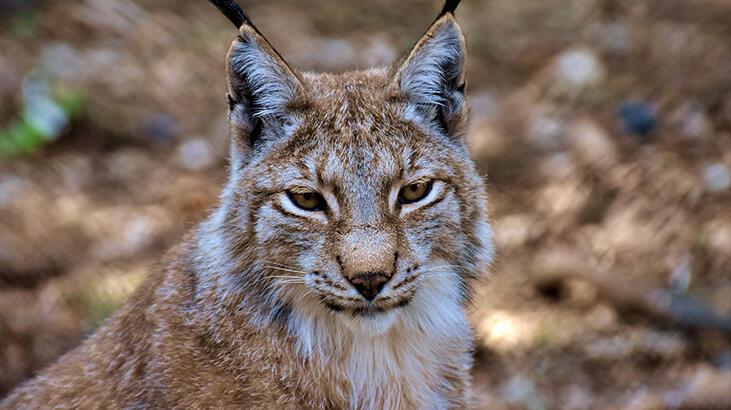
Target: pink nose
{"type": "Point", "coordinates": [369, 284]}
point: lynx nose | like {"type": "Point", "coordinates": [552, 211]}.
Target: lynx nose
{"type": "Point", "coordinates": [369, 284]}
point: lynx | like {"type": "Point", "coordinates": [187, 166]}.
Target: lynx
{"type": "Point", "coordinates": [337, 269]}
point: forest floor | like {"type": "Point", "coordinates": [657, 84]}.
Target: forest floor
{"type": "Point", "coordinates": [603, 128]}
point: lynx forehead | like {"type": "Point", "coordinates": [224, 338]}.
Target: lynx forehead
{"type": "Point", "coordinates": [336, 270]}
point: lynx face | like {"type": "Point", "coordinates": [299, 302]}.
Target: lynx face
{"type": "Point", "coordinates": [356, 191]}
{"type": "Point", "coordinates": [366, 205]}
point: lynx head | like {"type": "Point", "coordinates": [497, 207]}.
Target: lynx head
{"type": "Point", "coordinates": [352, 197]}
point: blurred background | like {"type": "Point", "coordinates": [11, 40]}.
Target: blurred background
{"type": "Point", "coordinates": [603, 128]}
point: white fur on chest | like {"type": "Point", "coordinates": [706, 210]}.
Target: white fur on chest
{"type": "Point", "coordinates": [383, 375]}
{"type": "Point", "coordinates": [395, 360]}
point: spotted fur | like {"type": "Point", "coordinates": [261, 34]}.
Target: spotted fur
{"type": "Point", "coordinates": [256, 308]}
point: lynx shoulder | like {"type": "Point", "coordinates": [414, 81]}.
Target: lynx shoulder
{"type": "Point", "coordinates": [336, 270]}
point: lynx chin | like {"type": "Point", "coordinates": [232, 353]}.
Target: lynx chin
{"type": "Point", "coordinates": [335, 272]}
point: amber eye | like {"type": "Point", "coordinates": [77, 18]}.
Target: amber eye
{"type": "Point", "coordinates": [309, 201]}
{"type": "Point", "coordinates": [414, 192]}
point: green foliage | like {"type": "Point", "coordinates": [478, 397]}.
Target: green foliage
{"type": "Point", "coordinates": [25, 25]}
{"type": "Point", "coordinates": [31, 131]}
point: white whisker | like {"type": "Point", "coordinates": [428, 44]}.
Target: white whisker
{"type": "Point", "coordinates": [275, 264]}
{"type": "Point", "coordinates": [285, 270]}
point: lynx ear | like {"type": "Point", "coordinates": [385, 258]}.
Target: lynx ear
{"type": "Point", "coordinates": [432, 77]}
{"type": "Point", "coordinates": [259, 77]}
{"type": "Point", "coordinates": [261, 86]}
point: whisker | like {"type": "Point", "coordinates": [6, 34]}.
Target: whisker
{"type": "Point", "coordinates": [277, 265]}
{"type": "Point", "coordinates": [284, 269]}
{"type": "Point", "coordinates": [444, 267]}
{"type": "Point", "coordinates": [433, 273]}
{"type": "Point", "coordinates": [308, 292]}
{"type": "Point", "coordinates": [457, 268]}
{"type": "Point", "coordinates": [284, 278]}
{"type": "Point", "coordinates": [282, 284]}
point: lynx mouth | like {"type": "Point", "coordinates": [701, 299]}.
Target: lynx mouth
{"type": "Point", "coordinates": [367, 309]}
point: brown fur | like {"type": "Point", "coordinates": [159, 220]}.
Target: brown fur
{"type": "Point", "coordinates": [218, 328]}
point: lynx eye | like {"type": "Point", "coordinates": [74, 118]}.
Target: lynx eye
{"type": "Point", "coordinates": [308, 201]}
{"type": "Point", "coordinates": [415, 192]}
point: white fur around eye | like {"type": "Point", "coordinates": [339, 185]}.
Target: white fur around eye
{"type": "Point", "coordinates": [436, 191]}
{"type": "Point", "coordinates": [292, 208]}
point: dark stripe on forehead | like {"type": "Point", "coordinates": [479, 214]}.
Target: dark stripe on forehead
{"type": "Point", "coordinates": [301, 164]}
{"type": "Point", "coordinates": [321, 163]}
{"type": "Point", "coordinates": [413, 158]}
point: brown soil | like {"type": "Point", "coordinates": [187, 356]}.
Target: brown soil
{"type": "Point", "coordinates": [83, 219]}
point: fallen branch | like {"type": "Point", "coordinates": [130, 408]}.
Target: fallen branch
{"type": "Point", "coordinates": [556, 267]}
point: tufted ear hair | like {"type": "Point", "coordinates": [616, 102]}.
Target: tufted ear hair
{"type": "Point", "coordinates": [432, 75]}
{"type": "Point", "coordinates": [262, 87]}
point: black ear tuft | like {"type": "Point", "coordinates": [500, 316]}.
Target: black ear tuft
{"type": "Point", "coordinates": [449, 7]}
{"type": "Point", "coordinates": [233, 11]}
